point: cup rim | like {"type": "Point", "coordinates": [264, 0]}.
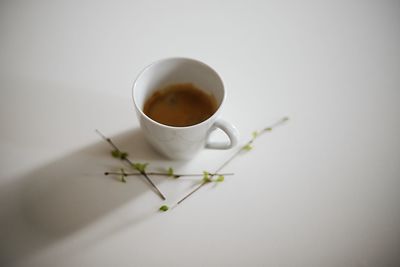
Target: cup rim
{"type": "Point", "coordinates": [139, 109]}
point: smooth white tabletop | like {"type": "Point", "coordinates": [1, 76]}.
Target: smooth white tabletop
{"type": "Point", "coordinates": [323, 190]}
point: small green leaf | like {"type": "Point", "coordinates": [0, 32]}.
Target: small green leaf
{"type": "Point", "coordinates": [268, 129]}
{"type": "Point", "coordinates": [255, 134]}
{"type": "Point", "coordinates": [163, 208]}
{"type": "Point", "coordinates": [123, 155]}
{"type": "Point", "coordinates": [247, 147]}
{"type": "Point", "coordinates": [118, 154]}
{"type": "Point", "coordinates": [170, 172]}
{"type": "Point", "coordinates": [206, 177]}
{"type": "Point", "coordinates": [141, 167]}
{"type": "Point", "coordinates": [206, 180]}
{"type": "Point", "coordinates": [220, 178]}
{"type": "Point", "coordinates": [115, 153]}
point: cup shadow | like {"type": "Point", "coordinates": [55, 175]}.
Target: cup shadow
{"type": "Point", "coordinates": [56, 200]}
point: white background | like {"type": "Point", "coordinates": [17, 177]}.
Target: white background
{"type": "Point", "coordinates": [323, 190]}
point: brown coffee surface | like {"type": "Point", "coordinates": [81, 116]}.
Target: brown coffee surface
{"type": "Point", "coordinates": [180, 105]}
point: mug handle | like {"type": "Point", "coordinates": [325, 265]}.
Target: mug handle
{"type": "Point", "coordinates": [229, 130]}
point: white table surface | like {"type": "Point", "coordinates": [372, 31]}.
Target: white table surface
{"type": "Point", "coordinates": [323, 190]}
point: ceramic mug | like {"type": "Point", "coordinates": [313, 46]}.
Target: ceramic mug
{"type": "Point", "coordinates": [181, 142]}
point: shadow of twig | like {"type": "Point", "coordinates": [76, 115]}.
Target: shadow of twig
{"type": "Point", "coordinates": [66, 195]}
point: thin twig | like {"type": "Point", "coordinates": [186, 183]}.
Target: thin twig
{"type": "Point", "coordinates": [144, 174]}
{"type": "Point", "coordinates": [166, 174]}
{"type": "Point", "coordinates": [264, 130]}
{"type": "Point", "coordinates": [193, 191]}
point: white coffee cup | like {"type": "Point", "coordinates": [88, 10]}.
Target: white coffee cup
{"type": "Point", "coordinates": [181, 142]}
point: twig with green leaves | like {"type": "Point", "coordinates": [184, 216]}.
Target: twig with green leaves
{"type": "Point", "coordinates": [207, 177]}
{"type": "Point", "coordinates": [140, 167]}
